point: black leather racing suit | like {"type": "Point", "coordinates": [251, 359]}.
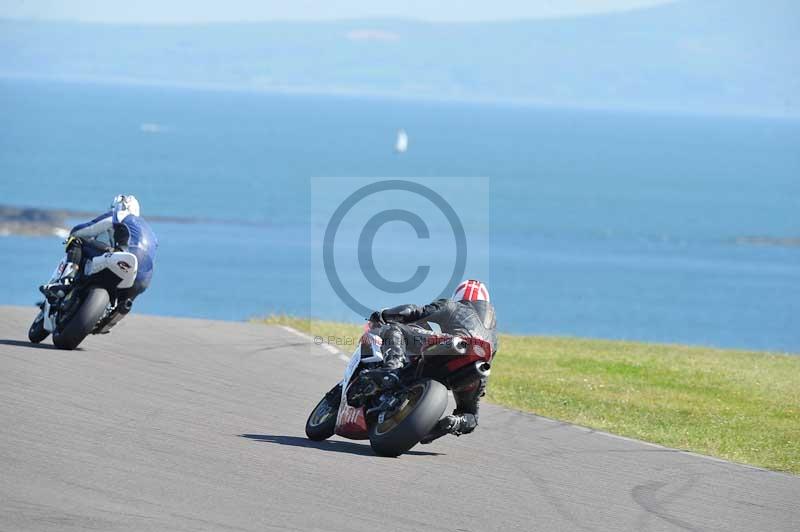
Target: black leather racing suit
{"type": "Point", "coordinates": [407, 329]}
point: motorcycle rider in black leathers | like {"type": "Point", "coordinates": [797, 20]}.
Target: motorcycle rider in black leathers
{"type": "Point", "coordinates": [467, 314]}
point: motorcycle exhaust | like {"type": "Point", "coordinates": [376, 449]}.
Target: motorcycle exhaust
{"type": "Point", "coordinates": [483, 368]}
{"type": "Point", "coordinates": [460, 346]}
{"type": "Point", "coordinates": [455, 346]}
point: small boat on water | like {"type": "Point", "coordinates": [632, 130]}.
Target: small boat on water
{"type": "Point", "coordinates": [401, 144]}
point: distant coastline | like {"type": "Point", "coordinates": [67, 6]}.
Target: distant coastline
{"type": "Point", "coordinates": [769, 241]}
{"type": "Point", "coordinates": [29, 221]}
{"type": "Point", "coordinates": [446, 98]}
{"type": "Point", "coordinates": [597, 61]}
{"type": "Point", "coordinates": [37, 221]}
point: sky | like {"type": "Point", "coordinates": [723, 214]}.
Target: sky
{"type": "Point", "coordinates": [200, 11]}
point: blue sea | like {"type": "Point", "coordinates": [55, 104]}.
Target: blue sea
{"type": "Point", "coordinates": [603, 224]}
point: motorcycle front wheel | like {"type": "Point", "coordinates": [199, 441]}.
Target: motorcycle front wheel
{"type": "Point", "coordinates": [37, 332]}
{"type": "Point", "coordinates": [80, 324]}
{"type": "Point", "coordinates": [422, 407]}
{"type": "Point", "coordinates": [322, 421]}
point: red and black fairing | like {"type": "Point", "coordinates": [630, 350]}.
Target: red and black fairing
{"type": "Point", "coordinates": [452, 360]}
{"type": "Point", "coordinates": [351, 422]}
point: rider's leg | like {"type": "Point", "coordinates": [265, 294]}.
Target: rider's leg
{"type": "Point", "coordinates": [393, 347]}
{"type": "Point", "coordinates": [126, 297]}
{"type": "Point", "coordinates": [467, 405]}
{"type": "Point", "coordinates": [125, 300]}
{"type": "Point", "coordinates": [74, 258]}
{"type": "Point", "coordinates": [78, 251]}
{"type": "Point", "coordinates": [465, 416]}
{"type": "Point", "coordinates": [399, 340]}
{"type": "Point", "coordinates": [59, 283]}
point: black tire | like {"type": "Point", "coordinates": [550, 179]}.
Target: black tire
{"type": "Point", "coordinates": [322, 420]}
{"type": "Point", "coordinates": [83, 321]}
{"type": "Point", "coordinates": [37, 332]}
{"type": "Point", "coordinates": [427, 402]}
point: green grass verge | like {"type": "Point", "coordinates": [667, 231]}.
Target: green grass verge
{"type": "Point", "coordinates": [738, 405]}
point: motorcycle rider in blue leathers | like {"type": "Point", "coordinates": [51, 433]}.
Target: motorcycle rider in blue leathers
{"type": "Point", "coordinates": [125, 230]}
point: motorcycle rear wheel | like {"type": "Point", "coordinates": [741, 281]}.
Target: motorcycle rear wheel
{"type": "Point", "coordinates": [422, 408]}
{"type": "Point", "coordinates": [70, 335]}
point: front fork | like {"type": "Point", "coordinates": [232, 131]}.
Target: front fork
{"type": "Point", "coordinates": [47, 309]}
{"type": "Point", "coordinates": [64, 269]}
{"type": "Point", "coordinates": [47, 316]}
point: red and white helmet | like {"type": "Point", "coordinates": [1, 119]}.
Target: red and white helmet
{"type": "Point", "coordinates": [471, 290]}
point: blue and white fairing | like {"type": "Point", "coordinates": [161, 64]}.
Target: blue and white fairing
{"type": "Point", "coordinates": [141, 240]}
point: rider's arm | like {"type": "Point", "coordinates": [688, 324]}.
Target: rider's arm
{"type": "Point", "coordinates": [94, 227]}
{"type": "Point", "coordinates": [410, 313]}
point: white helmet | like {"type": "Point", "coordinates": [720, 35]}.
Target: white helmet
{"type": "Point", "coordinates": [123, 205]}
{"type": "Point", "coordinates": [471, 290]}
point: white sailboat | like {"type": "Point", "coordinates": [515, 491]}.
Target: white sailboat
{"type": "Point", "coordinates": [401, 144]}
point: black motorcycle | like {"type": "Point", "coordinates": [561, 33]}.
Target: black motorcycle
{"type": "Point", "coordinates": [395, 411]}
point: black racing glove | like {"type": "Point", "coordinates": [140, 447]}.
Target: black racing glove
{"type": "Point", "coordinates": [376, 318]}
{"type": "Point", "coordinates": [71, 241]}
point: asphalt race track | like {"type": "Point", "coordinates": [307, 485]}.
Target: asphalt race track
{"type": "Point", "coordinates": [174, 424]}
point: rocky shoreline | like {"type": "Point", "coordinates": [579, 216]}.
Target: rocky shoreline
{"type": "Point", "coordinates": [769, 241]}
{"type": "Point", "coordinates": [31, 221]}
{"type": "Point", "coordinates": [36, 221]}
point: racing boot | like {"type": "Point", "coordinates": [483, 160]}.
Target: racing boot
{"type": "Point", "coordinates": [457, 424]}
{"type": "Point", "coordinates": [384, 378]}
{"type": "Point", "coordinates": [54, 291]}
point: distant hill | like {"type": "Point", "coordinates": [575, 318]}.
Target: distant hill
{"type": "Point", "coordinates": [699, 56]}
